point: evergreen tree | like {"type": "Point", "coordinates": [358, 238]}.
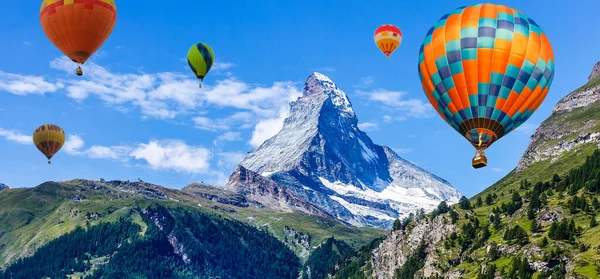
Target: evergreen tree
{"type": "Point", "coordinates": [543, 242]}
{"type": "Point", "coordinates": [454, 216]}
{"type": "Point", "coordinates": [397, 225]}
{"type": "Point", "coordinates": [593, 222]}
{"type": "Point", "coordinates": [493, 252]}
{"type": "Point", "coordinates": [489, 200]}
{"type": "Point", "coordinates": [534, 226]}
{"type": "Point", "coordinates": [464, 203]}
{"type": "Point", "coordinates": [479, 202]}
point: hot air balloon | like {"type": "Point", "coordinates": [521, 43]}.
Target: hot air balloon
{"type": "Point", "coordinates": [485, 69]}
{"type": "Point", "coordinates": [49, 139]}
{"type": "Point", "coordinates": [200, 58]}
{"type": "Point", "coordinates": [78, 28]}
{"type": "Point", "coordinates": [388, 37]}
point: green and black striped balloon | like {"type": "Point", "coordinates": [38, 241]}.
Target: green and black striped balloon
{"type": "Point", "coordinates": [200, 58]}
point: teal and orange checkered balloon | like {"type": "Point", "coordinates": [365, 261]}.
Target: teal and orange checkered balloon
{"type": "Point", "coordinates": [485, 69]}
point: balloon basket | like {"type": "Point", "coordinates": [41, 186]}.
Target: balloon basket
{"type": "Point", "coordinates": [79, 71]}
{"type": "Point", "coordinates": [49, 162]}
{"type": "Point", "coordinates": [479, 161]}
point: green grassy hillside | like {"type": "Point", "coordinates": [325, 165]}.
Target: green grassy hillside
{"type": "Point", "coordinates": [32, 217]}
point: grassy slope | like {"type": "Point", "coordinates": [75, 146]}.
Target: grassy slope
{"type": "Point", "coordinates": [29, 217]}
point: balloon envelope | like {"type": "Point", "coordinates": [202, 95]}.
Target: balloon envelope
{"type": "Point", "coordinates": [388, 37]}
{"type": "Point", "coordinates": [49, 139]}
{"type": "Point", "coordinates": [78, 27]}
{"type": "Point", "coordinates": [486, 69]}
{"type": "Point", "coordinates": [200, 59]}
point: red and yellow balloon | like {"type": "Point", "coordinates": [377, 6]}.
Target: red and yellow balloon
{"type": "Point", "coordinates": [78, 27]}
{"type": "Point", "coordinates": [388, 37]}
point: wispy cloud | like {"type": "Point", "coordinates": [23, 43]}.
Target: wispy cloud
{"type": "Point", "coordinates": [168, 94]}
{"type": "Point", "coordinates": [368, 126]}
{"type": "Point", "coordinates": [230, 160]}
{"type": "Point", "coordinates": [27, 43]}
{"type": "Point", "coordinates": [15, 136]}
{"type": "Point", "coordinates": [229, 136]}
{"type": "Point", "coordinates": [390, 119]}
{"type": "Point", "coordinates": [397, 100]}
{"type": "Point", "coordinates": [497, 169]}
{"type": "Point", "coordinates": [325, 69]}
{"type": "Point", "coordinates": [526, 128]}
{"type": "Point", "coordinates": [365, 82]}
{"type": "Point", "coordinates": [222, 66]}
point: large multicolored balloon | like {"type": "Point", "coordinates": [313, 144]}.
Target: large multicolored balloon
{"type": "Point", "coordinates": [388, 37]}
{"type": "Point", "coordinates": [200, 58]}
{"type": "Point", "coordinates": [485, 69]}
{"type": "Point", "coordinates": [49, 139]}
{"type": "Point", "coordinates": [78, 27]}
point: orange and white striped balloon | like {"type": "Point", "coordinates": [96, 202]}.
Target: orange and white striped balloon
{"type": "Point", "coordinates": [388, 37]}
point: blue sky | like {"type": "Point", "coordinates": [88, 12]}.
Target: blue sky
{"type": "Point", "coordinates": [137, 112]}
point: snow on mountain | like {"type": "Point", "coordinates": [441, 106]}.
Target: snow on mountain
{"type": "Point", "coordinates": [322, 155]}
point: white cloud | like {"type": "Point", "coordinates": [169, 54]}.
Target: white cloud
{"type": "Point", "coordinates": [402, 150]}
{"type": "Point", "coordinates": [395, 99]}
{"type": "Point", "coordinates": [15, 136]}
{"type": "Point", "coordinates": [74, 146]}
{"type": "Point", "coordinates": [171, 155]}
{"type": "Point", "coordinates": [497, 169]}
{"type": "Point", "coordinates": [27, 43]}
{"type": "Point", "coordinates": [526, 128]}
{"type": "Point", "coordinates": [167, 95]}
{"type": "Point", "coordinates": [267, 128]}
{"type": "Point", "coordinates": [229, 136]}
{"type": "Point", "coordinates": [368, 126]}
{"type": "Point", "coordinates": [24, 85]}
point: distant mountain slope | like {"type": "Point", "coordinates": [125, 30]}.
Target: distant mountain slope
{"type": "Point", "coordinates": [322, 155]}
{"type": "Point", "coordinates": [161, 241]}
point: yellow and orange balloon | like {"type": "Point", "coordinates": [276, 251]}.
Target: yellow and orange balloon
{"type": "Point", "coordinates": [78, 27]}
{"type": "Point", "coordinates": [49, 139]}
{"type": "Point", "coordinates": [388, 37]}
{"type": "Point", "coordinates": [485, 69]}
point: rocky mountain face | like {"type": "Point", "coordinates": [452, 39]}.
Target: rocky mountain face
{"type": "Point", "coordinates": [266, 192]}
{"type": "Point", "coordinates": [396, 249]}
{"type": "Point", "coordinates": [3, 186]}
{"type": "Point", "coordinates": [216, 194]}
{"type": "Point", "coordinates": [574, 122]}
{"type": "Point", "coordinates": [321, 155]}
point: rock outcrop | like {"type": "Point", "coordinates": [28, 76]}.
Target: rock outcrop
{"type": "Point", "coordinates": [394, 251]}
{"type": "Point", "coordinates": [574, 122]}
{"type": "Point", "coordinates": [269, 193]}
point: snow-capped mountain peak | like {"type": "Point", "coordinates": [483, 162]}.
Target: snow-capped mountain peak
{"type": "Point", "coordinates": [318, 83]}
{"type": "Point", "coordinates": [322, 155]}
